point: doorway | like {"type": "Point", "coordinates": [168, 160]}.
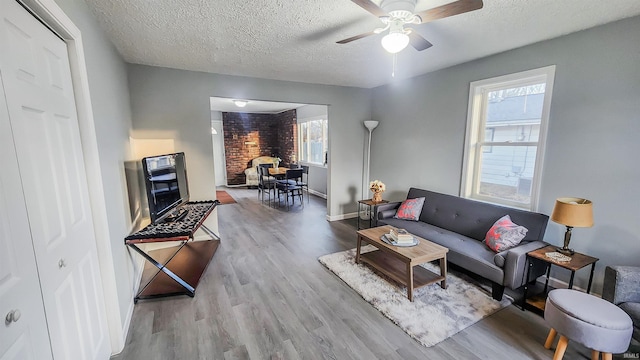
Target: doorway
{"type": "Point", "coordinates": [285, 130]}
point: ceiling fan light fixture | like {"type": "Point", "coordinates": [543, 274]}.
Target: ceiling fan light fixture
{"type": "Point", "coordinates": [398, 8]}
{"type": "Point", "coordinates": [240, 103]}
{"type": "Point", "coordinates": [395, 42]}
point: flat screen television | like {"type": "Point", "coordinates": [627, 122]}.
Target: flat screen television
{"type": "Point", "coordinates": [166, 183]}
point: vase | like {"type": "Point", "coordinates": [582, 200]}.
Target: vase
{"type": "Point", "coordinates": [377, 197]}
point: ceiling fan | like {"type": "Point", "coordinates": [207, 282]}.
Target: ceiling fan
{"type": "Point", "coordinates": [395, 14]}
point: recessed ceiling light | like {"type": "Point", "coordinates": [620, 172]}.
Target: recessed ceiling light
{"type": "Point", "coordinates": [240, 103]}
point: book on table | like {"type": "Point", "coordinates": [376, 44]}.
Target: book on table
{"type": "Point", "coordinates": [401, 236]}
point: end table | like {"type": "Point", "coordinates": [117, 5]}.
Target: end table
{"type": "Point", "coordinates": [578, 261]}
{"type": "Point", "coordinates": [372, 209]}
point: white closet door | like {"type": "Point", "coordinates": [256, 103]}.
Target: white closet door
{"type": "Point", "coordinates": [24, 334]}
{"type": "Point", "coordinates": [42, 113]}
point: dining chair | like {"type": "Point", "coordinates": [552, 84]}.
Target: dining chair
{"type": "Point", "coordinates": [289, 186]}
{"type": "Point", "coordinates": [266, 183]}
{"type": "Point", "coordinates": [258, 171]}
{"type": "Point", "coordinates": [304, 181]}
{"type": "Point", "coordinates": [267, 166]}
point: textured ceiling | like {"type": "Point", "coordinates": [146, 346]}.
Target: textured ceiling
{"type": "Point", "coordinates": [295, 39]}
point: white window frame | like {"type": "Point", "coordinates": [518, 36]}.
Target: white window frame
{"type": "Point", "coordinates": [476, 123]}
{"type": "Point", "coordinates": [325, 135]}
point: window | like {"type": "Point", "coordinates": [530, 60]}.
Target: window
{"type": "Point", "coordinates": [488, 136]}
{"type": "Point", "coordinates": [506, 131]}
{"type": "Point", "coordinates": [313, 135]}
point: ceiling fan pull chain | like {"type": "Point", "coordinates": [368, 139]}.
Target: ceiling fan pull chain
{"type": "Point", "coordinates": [395, 63]}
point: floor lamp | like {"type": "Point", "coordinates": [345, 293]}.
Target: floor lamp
{"type": "Point", "coordinates": [370, 125]}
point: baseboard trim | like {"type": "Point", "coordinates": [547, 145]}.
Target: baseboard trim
{"type": "Point", "coordinates": [138, 265]}
{"type": "Point", "coordinates": [317, 193]}
{"type": "Point", "coordinates": [342, 216]}
{"type": "Point", "coordinates": [127, 321]}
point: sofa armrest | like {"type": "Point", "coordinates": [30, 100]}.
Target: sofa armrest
{"type": "Point", "coordinates": [251, 171]}
{"type": "Point", "coordinates": [387, 210]}
{"type": "Point", "coordinates": [516, 262]}
{"type": "Point", "coordinates": [621, 284]}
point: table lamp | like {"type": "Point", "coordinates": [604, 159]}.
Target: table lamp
{"type": "Point", "coordinates": [572, 212]}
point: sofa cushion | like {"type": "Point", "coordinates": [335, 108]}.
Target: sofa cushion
{"type": "Point", "coordinates": [410, 209]}
{"type": "Point", "coordinates": [504, 234]}
{"type": "Point", "coordinates": [474, 218]}
{"type": "Point", "coordinates": [465, 252]}
{"type": "Point", "coordinates": [633, 309]}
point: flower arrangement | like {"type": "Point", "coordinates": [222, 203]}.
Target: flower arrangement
{"type": "Point", "coordinates": [378, 187]}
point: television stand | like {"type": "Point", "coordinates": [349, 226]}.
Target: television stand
{"type": "Point", "coordinates": [176, 270]}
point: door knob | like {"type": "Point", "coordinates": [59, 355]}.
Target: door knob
{"type": "Point", "coordinates": [12, 316]}
{"type": "Point", "coordinates": [61, 264]}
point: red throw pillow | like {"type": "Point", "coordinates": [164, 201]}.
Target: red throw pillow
{"type": "Point", "coordinates": [504, 234]}
{"type": "Point", "coordinates": [410, 209]}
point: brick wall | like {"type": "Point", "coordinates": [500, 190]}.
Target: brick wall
{"type": "Point", "coordinates": [287, 136]}
{"type": "Point", "coordinates": [248, 136]}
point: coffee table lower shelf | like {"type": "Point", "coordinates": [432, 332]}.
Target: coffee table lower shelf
{"type": "Point", "coordinates": [397, 270]}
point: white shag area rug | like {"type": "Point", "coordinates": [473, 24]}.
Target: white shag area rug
{"type": "Point", "coordinates": [435, 313]}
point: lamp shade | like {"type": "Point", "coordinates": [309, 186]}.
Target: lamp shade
{"type": "Point", "coordinates": [574, 212]}
{"type": "Point", "coordinates": [370, 124]}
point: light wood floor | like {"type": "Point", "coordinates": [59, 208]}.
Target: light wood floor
{"type": "Point", "coordinates": [266, 296]}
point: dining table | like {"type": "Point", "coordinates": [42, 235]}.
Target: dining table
{"type": "Point", "coordinates": [279, 172]}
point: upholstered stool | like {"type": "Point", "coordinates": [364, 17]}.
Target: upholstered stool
{"type": "Point", "coordinates": [589, 320]}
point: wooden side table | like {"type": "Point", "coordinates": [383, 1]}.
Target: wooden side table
{"type": "Point", "coordinates": [372, 209]}
{"type": "Point", "coordinates": [578, 261]}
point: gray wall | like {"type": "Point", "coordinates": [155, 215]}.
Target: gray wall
{"type": "Point", "coordinates": [112, 117]}
{"type": "Point", "coordinates": [593, 140]}
{"type": "Point", "coordinates": [317, 180]}
{"type": "Point", "coordinates": [175, 103]}
{"type": "Point", "coordinates": [307, 111]}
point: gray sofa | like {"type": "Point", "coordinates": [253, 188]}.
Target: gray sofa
{"type": "Point", "coordinates": [622, 287]}
{"type": "Point", "coordinates": [461, 225]}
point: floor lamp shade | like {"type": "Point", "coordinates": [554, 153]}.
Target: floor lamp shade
{"type": "Point", "coordinates": [572, 212]}
{"type": "Point", "coordinates": [371, 124]}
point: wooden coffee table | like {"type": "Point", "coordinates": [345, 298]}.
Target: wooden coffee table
{"type": "Point", "coordinates": [400, 263]}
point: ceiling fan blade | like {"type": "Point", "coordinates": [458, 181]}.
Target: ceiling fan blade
{"type": "Point", "coordinates": [371, 7]}
{"type": "Point", "coordinates": [418, 42]}
{"type": "Point", "coordinates": [357, 37]}
{"type": "Point", "coordinates": [451, 9]}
